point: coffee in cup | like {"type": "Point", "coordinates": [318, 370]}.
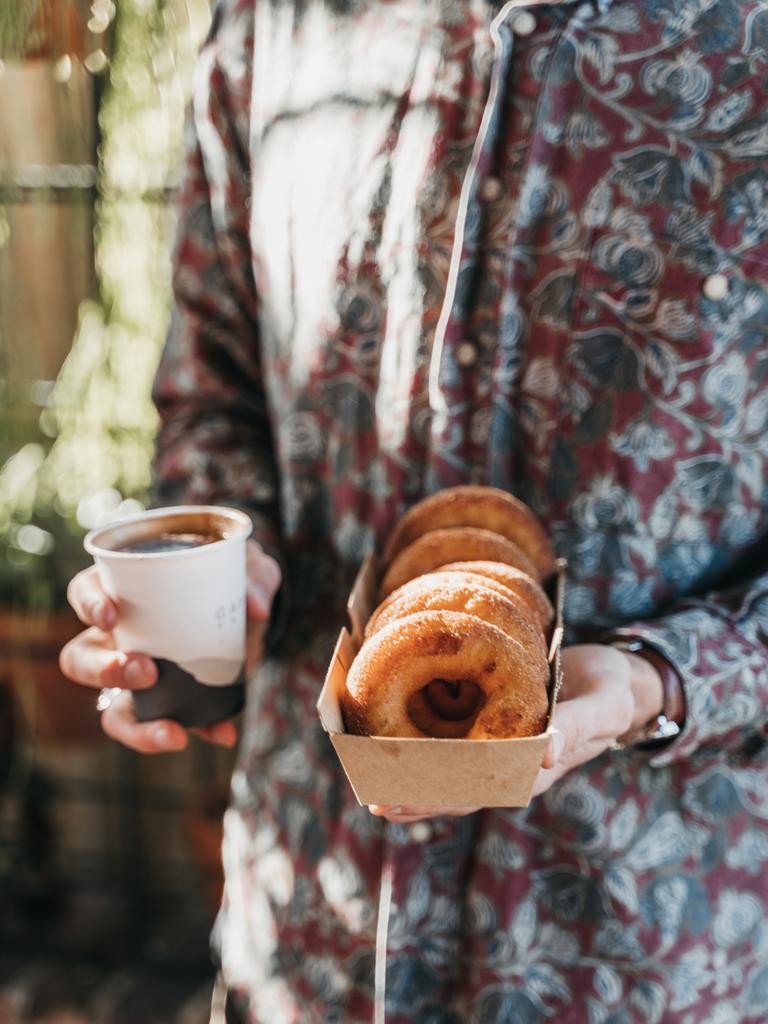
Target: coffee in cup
{"type": "Point", "coordinates": [178, 578]}
{"type": "Point", "coordinates": [169, 542]}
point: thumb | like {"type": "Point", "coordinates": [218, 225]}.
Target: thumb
{"type": "Point", "coordinates": [263, 579]}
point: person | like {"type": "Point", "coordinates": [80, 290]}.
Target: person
{"type": "Point", "coordinates": [523, 245]}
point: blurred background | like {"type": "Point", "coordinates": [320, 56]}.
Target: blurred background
{"type": "Point", "coordinates": [109, 862]}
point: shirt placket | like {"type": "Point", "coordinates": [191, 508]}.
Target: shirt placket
{"type": "Point", "coordinates": [454, 351]}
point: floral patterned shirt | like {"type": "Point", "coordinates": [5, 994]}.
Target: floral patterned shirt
{"type": "Point", "coordinates": [432, 243]}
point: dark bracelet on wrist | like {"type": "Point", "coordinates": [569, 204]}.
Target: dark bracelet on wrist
{"type": "Point", "coordinates": [664, 727]}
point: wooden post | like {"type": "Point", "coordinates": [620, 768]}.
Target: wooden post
{"type": "Point", "coordinates": [46, 261]}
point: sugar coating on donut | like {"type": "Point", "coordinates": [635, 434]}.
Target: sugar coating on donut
{"type": "Point", "coordinates": [439, 547]}
{"type": "Point", "coordinates": [513, 579]}
{"type": "Point", "coordinates": [430, 579]}
{"type": "Point", "coordinates": [459, 592]}
{"type": "Point", "coordinates": [410, 653]}
{"type": "Point", "coordinates": [486, 507]}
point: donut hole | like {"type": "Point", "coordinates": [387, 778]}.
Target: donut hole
{"type": "Point", "coordinates": [446, 708]}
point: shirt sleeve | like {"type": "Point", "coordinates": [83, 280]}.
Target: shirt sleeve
{"type": "Point", "coordinates": [719, 646]}
{"type": "Point", "coordinates": [215, 443]}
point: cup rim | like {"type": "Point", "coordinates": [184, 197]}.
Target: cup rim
{"type": "Point", "coordinates": [242, 524]}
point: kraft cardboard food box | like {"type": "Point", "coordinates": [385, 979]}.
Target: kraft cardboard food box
{"type": "Point", "coordinates": [432, 772]}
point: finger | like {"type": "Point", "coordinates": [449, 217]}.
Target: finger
{"type": "Point", "coordinates": [601, 714]}
{"type": "Point", "coordinates": [91, 660]}
{"type": "Point", "coordinates": [554, 750]}
{"type": "Point", "coordinates": [583, 728]}
{"type": "Point", "coordinates": [254, 645]}
{"type": "Point", "coordinates": [91, 604]}
{"type": "Point", "coordinates": [548, 777]}
{"type": "Point", "coordinates": [264, 579]}
{"type": "Point", "coordinates": [119, 723]}
{"type": "Point", "coordinates": [222, 734]}
{"type": "Point", "coordinates": [408, 819]}
{"type": "Point", "coordinates": [409, 815]}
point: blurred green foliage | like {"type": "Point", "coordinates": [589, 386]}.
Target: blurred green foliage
{"type": "Point", "coordinates": [17, 28]}
{"type": "Point", "coordinates": [88, 458]}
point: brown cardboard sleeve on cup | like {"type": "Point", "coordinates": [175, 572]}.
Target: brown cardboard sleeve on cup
{"type": "Point", "coordinates": [431, 773]}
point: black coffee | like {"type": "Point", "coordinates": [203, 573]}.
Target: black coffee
{"type": "Point", "coordinates": [169, 542]}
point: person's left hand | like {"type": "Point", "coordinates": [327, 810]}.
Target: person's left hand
{"type": "Point", "coordinates": [605, 693]}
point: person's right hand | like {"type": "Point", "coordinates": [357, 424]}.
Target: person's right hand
{"type": "Point", "coordinates": [92, 659]}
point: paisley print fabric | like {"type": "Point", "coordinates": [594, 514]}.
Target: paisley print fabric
{"type": "Point", "coordinates": [424, 244]}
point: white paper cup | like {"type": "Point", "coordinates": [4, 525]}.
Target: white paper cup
{"type": "Point", "coordinates": [184, 606]}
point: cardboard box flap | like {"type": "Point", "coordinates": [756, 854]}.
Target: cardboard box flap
{"type": "Point", "coordinates": [558, 635]}
{"type": "Point", "coordinates": [362, 598]}
{"type": "Point", "coordinates": [328, 704]}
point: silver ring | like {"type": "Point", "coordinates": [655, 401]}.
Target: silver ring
{"type": "Point", "coordinates": [107, 696]}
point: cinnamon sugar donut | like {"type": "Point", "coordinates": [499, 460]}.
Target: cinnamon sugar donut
{"type": "Point", "coordinates": [438, 547]}
{"type": "Point", "coordinates": [487, 508]}
{"type": "Point", "coordinates": [520, 583]}
{"type": "Point", "coordinates": [395, 678]}
{"type": "Point", "coordinates": [460, 592]}
{"type": "Point", "coordinates": [470, 578]}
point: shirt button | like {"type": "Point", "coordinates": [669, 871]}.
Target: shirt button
{"type": "Point", "coordinates": [466, 354]}
{"type": "Point", "coordinates": [490, 190]}
{"type": "Point", "coordinates": [421, 832]}
{"type": "Point", "coordinates": [523, 24]}
{"type": "Point", "coordinates": [716, 287]}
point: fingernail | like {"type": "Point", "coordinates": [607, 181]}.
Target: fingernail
{"type": "Point", "coordinates": [558, 745]}
{"type": "Point", "coordinates": [379, 809]}
{"type": "Point", "coordinates": [224, 734]}
{"type": "Point", "coordinates": [109, 615]}
{"type": "Point", "coordinates": [171, 738]}
{"type": "Point", "coordinates": [137, 674]}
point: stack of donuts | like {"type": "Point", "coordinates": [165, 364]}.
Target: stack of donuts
{"type": "Point", "coordinates": [457, 645]}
